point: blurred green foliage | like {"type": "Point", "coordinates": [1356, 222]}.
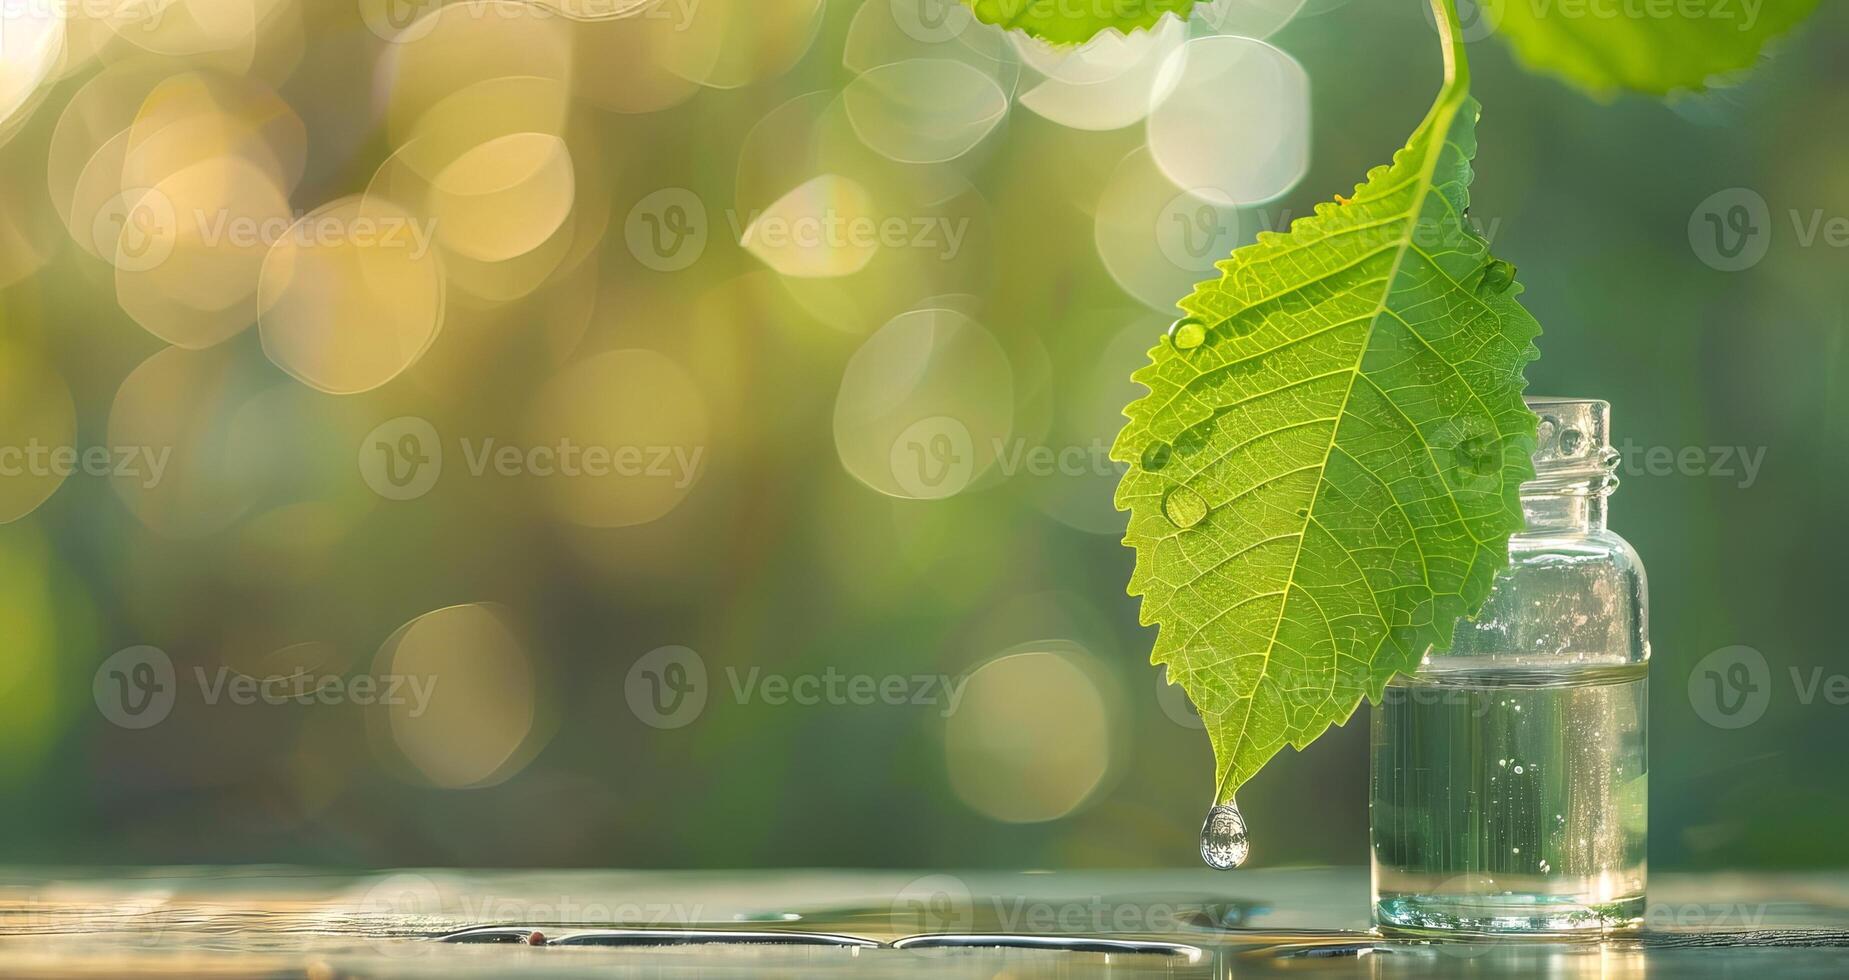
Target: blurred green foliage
{"type": "Point", "coordinates": [780, 559]}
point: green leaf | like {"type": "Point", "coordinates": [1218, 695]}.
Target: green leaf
{"type": "Point", "coordinates": [1325, 473]}
{"type": "Point", "coordinates": [1656, 47]}
{"type": "Point", "coordinates": [1076, 21]}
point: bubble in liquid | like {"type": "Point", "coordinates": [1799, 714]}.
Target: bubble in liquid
{"type": "Point", "coordinates": [1224, 845]}
{"type": "Point", "coordinates": [1184, 507]}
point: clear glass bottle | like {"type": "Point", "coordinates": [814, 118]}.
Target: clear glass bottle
{"type": "Point", "coordinates": [1510, 781]}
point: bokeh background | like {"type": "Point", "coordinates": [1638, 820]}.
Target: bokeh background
{"type": "Point", "coordinates": [850, 291]}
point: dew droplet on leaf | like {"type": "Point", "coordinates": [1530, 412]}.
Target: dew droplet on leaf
{"type": "Point", "coordinates": [1156, 456]}
{"type": "Point", "coordinates": [1188, 334]}
{"type": "Point", "coordinates": [1184, 507]}
{"type": "Point", "coordinates": [1497, 278]}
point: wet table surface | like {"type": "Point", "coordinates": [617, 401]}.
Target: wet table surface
{"type": "Point", "coordinates": [280, 922]}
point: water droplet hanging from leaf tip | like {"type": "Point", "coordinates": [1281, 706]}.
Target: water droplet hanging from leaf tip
{"type": "Point", "coordinates": [1224, 844]}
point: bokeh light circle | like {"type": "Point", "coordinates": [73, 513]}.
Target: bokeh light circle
{"type": "Point", "coordinates": [32, 39]}
{"type": "Point", "coordinates": [1233, 114]}
{"type": "Point", "coordinates": [503, 198]}
{"type": "Point", "coordinates": [617, 439]}
{"type": "Point", "coordinates": [1156, 239]}
{"type": "Point", "coordinates": [38, 421]}
{"type": "Point", "coordinates": [191, 249]}
{"type": "Point", "coordinates": [352, 296]}
{"type": "Point", "coordinates": [1107, 83]}
{"type": "Point", "coordinates": [1247, 18]}
{"type": "Point", "coordinates": [924, 110]}
{"type": "Point", "coordinates": [926, 406]}
{"type": "Point", "coordinates": [469, 696]}
{"type": "Point", "coordinates": [825, 228]}
{"type": "Point", "coordinates": [197, 460]}
{"type": "Point", "coordinates": [1031, 739]}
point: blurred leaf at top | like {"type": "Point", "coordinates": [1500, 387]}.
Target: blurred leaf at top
{"type": "Point", "coordinates": [1058, 22]}
{"type": "Point", "coordinates": [1654, 48]}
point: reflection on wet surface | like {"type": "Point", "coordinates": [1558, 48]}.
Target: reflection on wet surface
{"type": "Point", "coordinates": [1179, 924]}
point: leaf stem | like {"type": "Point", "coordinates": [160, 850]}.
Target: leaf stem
{"type": "Point", "coordinates": [1451, 38]}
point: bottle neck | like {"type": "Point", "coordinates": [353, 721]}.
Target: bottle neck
{"type": "Point", "coordinates": [1574, 513]}
{"type": "Point", "coordinates": [1575, 467]}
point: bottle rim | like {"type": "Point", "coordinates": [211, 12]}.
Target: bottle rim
{"type": "Point", "coordinates": [1573, 454]}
